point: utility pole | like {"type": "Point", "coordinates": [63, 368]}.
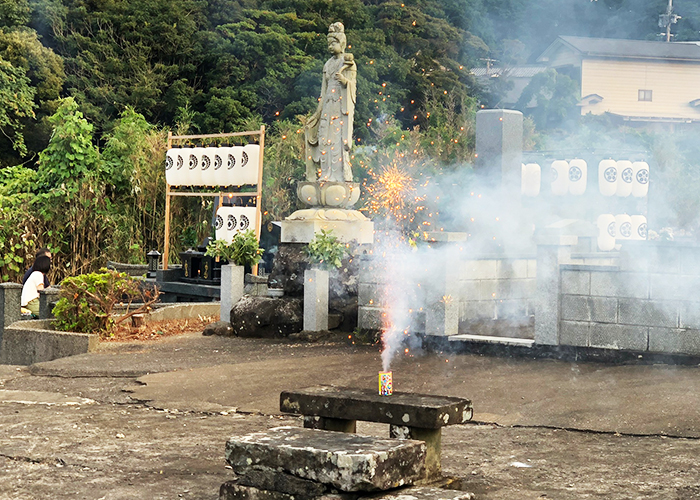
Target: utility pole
{"type": "Point", "coordinates": [667, 19]}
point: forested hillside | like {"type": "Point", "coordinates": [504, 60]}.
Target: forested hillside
{"type": "Point", "coordinates": [108, 78]}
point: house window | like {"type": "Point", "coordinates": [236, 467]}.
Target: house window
{"type": "Point", "coordinates": [644, 95]}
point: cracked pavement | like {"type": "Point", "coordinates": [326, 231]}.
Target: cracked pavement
{"type": "Point", "coordinates": [151, 420]}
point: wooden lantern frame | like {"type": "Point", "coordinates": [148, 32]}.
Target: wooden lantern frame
{"type": "Point", "coordinates": [171, 191]}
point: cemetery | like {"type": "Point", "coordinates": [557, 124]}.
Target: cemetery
{"type": "Point", "coordinates": [511, 299]}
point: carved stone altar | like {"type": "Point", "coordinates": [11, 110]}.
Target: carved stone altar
{"type": "Point", "coordinates": [329, 190]}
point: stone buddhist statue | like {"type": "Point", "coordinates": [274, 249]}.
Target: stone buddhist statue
{"type": "Point", "coordinates": [329, 130]}
{"type": "Point", "coordinates": [329, 192]}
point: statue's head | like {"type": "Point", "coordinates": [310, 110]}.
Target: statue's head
{"type": "Point", "coordinates": [336, 38]}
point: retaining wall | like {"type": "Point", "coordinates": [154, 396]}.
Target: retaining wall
{"type": "Point", "coordinates": [32, 341]}
{"type": "Point", "coordinates": [650, 302]}
{"type": "Point", "coordinates": [487, 287]}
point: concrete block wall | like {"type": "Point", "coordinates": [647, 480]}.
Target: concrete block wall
{"type": "Point", "coordinates": [651, 302]}
{"type": "Point", "coordinates": [486, 288]}
{"type": "Point", "coordinates": [491, 288]}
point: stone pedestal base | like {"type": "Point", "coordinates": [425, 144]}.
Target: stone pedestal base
{"type": "Point", "coordinates": [315, 300]}
{"type": "Point", "coordinates": [301, 226]}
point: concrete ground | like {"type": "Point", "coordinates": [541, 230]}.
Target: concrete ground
{"type": "Point", "coordinates": [150, 421]}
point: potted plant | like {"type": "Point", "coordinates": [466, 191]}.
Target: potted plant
{"type": "Point", "coordinates": [243, 251]}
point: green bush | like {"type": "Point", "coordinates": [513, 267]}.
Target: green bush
{"type": "Point", "coordinates": [244, 250]}
{"type": "Point", "coordinates": [87, 301]}
{"type": "Point", "coordinates": [326, 250]}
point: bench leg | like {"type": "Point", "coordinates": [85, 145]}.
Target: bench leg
{"type": "Point", "coordinates": [433, 445]}
{"type": "Point", "coordinates": [331, 424]}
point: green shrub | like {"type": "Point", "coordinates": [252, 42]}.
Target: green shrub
{"type": "Point", "coordinates": [244, 250]}
{"type": "Point", "coordinates": [87, 301]}
{"type": "Point", "coordinates": [326, 250]}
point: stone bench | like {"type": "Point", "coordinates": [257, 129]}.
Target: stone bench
{"type": "Point", "coordinates": [410, 416]}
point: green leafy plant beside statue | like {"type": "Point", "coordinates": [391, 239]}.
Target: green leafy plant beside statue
{"type": "Point", "coordinates": [87, 301]}
{"type": "Point", "coordinates": [244, 250]}
{"type": "Point", "coordinates": [326, 251]}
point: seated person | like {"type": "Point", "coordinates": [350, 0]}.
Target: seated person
{"type": "Point", "coordinates": [34, 283]}
{"type": "Point", "coordinates": [39, 253]}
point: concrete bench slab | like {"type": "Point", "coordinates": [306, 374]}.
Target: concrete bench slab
{"type": "Point", "coordinates": [404, 409]}
{"type": "Point", "coordinates": [346, 462]}
{"type": "Point", "coordinates": [410, 416]}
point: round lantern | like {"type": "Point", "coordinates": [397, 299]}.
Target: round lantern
{"type": "Point", "coordinates": [606, 232]}
{"type": "Point", "coordinates": [171, 167]}
{"type": "Point", "coordinates": [233, 159]}
{"type": "Point", "coordinates": [578, 176]}
{"type": "Point", "coordinates": [640, 180]}
{"type": "Point", "coordinates": [624, 178]}
{"type": "Point", "coordinates": [208, 176]}
{"type": "Point", "coordinates": [607, 177]}
{"type": "Point", "coordinates": [623, 224]}
{"type": "Point", "coordinates": [193, 163]}
{"type": "Point", "coordinates": [639, 227]}
{"type": "Point", "coordinates": [531, 176]}
{"type": "Point", "coordinates": [178, 174]}
{"type": "Point", "coordinates": [560, 177]}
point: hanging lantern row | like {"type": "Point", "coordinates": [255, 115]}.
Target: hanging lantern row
{"type": "Point", "coordinates": [613, 229]}
{"type": "Point", "coordinates": [232, 220]}
{"type": "Point", "coordinates": [615, 178]}
{"type": "Point", "coordinates": [213, 166]}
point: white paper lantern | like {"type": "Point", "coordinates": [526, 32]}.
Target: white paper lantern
{"type": "Point", "coordinates": [578, 176]}
{"type": "Point", "coordinates": [560, 177]}
{"type": "Point", "coordinates": [208, 176]}
{"type": "Point", "coordinates": [531, 176]}
{"type": "Point", "coordinates": [233, 159]}
{"type": "Point", "coordinates": [193, 164]}
{"type": "Point", "coordinates": [639, 227]}
{"type": "Point", "coordinates": [219, 166]}
{"type": "Point", "coordinates": [624, 178]}
{"type": "Point", "coordinates": [623, 224]}
{"type": "Point", "coordinates": [607, 177]}
{"type": "Point", "coordinates": [177, 175]}
{"type": "Point", "coordinates": [606, 232]}
{"type": "Point", "coordinates": [640, 182]}
{"type": "Point", "coordinates": [171, 166]}
{"type": "Point", "coordinates": [231, 220]}
{"type": "Point", "coordinates": [250, 164]}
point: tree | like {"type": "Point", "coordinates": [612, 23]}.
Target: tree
{"type": "Point", "coordinates": [555, 97]}
{"type": "Point", "coordinates": [17, 97]}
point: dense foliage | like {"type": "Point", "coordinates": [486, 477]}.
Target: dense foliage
{"type": "Point", "coordinates": [90, 89]}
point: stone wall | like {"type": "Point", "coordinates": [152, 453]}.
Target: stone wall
{"type": "Point", "coordinates": [650, 302]}
{"type": "Point", "coordinates": [486, 288]}
{"type": "Point", "coordinates": [496, 288]}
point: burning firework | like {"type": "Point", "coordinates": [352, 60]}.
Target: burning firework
{"type": "Point", "coordinates": [392, 193]}
{"type": "Point", "coordinates": [386, 383]}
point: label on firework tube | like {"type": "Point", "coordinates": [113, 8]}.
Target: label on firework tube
{"type": "Point", "coordinates": [386, 384]}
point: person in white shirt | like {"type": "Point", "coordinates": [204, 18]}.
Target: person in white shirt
{"type": "Point", "coordinates": [35, 282]}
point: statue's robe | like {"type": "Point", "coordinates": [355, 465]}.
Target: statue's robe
{"type": "Point", "coordinates": [329, 131]}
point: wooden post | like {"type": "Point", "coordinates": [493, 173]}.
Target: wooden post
{"type": "Point", "coordinates": [258, 196]}
{"type": "Point", "coordinates": [166, 243]}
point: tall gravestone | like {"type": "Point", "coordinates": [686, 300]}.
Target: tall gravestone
{"type": "Point", "coordinates": [499, 146]}
{"type": "Point", "coordinates": [329, 192]}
